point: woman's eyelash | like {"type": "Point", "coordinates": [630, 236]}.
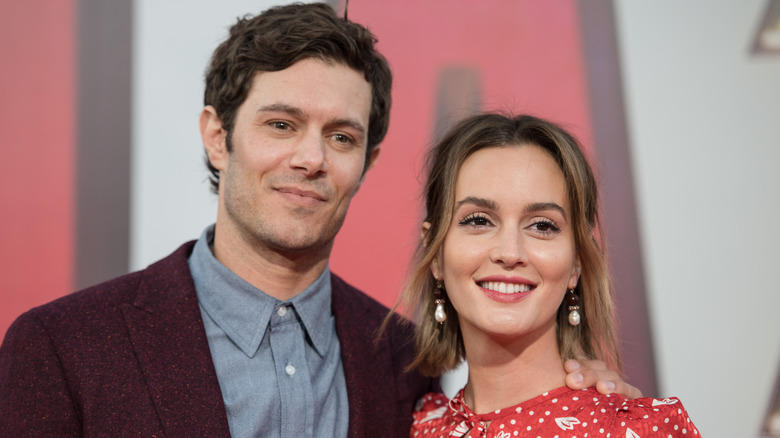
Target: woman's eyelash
{"type": "Point", "coordinates": [475, 220]}
{"type": "Point", "coordinates": [545, 226]}
{"type": "Point", "coordinates": [541, 226]}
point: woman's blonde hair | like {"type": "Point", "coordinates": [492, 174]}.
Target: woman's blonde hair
{"type": "Point", "coordinates": [439, 347]}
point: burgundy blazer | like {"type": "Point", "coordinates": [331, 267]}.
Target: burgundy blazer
{"type": "Point", "coordinates": [130, 357]}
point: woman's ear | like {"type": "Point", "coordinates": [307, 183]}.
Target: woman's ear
{"type": "Point", "coordinates": [576, 271]}
{"type": "Point", "coordinates": [436, 268]}
{"type": "Point", "coordinates": [426, 226]}
{"type": "Point", "coordinates": [435, 263]}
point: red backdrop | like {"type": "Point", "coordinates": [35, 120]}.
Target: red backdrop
{"type": "Point", "coordinates": [37, 126]}
{"type": "Point", "coordinates": [528, 57]}
{"type": "Point", "coordinates": [525, 55]}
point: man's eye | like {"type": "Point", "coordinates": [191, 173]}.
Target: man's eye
{"type": "Point", "coordinates": [341, 138]}
{"type": "Point", "coordinates": [280, 125]}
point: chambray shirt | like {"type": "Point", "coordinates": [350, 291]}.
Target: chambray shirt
{"type": "Point", "coordinates": [278, 363]}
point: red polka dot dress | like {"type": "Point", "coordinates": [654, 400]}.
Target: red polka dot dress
{"type": "Point", "coordinates": [560, 413]}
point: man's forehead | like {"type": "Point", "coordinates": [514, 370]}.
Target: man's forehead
{"type": "Point", "coordinates": [306, 86]}
{"type": "Point", "coordinates": [316, 60]}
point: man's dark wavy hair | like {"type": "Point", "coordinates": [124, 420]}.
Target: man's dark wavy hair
{"type": "Point", "coordinates": [282, 36]}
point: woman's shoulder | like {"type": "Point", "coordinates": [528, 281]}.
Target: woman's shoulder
{"type": "Point", "coordinates": [432, 416]}
{"type": "Point", "coordinates": [567, 410]}
{"type": "Point", "coordinates": [430, 404]}
{"type": "Point", "coordinates": [641, 416]}
{"type": "Point", "coordinates": [581, 411]}
{"type": "Point", "coordinates": [657, 415]}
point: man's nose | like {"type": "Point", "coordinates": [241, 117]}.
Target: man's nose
{"type": "Point", "coordinates": [309, 155]}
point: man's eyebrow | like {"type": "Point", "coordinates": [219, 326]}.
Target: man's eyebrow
{"type": "Point", "coordinates": [542, 206]}
{"type": "Point", "coordinates": [283, 108]}
{"type": "Point", "coordinates": [354, 124]}
{"type": "Point", "coordinates": [479, 202]}
{"type": "Point", "coordinates": [297, 112]}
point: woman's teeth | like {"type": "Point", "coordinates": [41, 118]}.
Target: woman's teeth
{"type": "Point", "coordinates": [505, 288]}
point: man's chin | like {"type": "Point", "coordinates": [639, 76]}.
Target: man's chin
{"type": "Point", "coordinates": [301, 246]}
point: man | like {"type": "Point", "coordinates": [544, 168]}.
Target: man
{"type": "Point", "coordinates": [245, 332]}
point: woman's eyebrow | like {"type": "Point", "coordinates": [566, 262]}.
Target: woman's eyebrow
{"type": "Point", "coordinates": [479, 202]}
{"type": "Point", "coordinates": [530, 208]}
{"type": "Point", "coordinates": [541, 206]}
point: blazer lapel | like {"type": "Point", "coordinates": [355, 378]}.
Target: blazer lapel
{"type": "Point", "coordinates": [170, 343]}
{"type": "Point", "coordinates": [371, 385]}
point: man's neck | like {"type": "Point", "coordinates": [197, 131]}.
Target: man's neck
{"type": "Point", "coordinates": [280, 275]}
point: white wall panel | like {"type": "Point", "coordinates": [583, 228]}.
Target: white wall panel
{"type": "Point", "coordinates": [704, 136]}
{"type": "Point", "coordinates": [173, 40]}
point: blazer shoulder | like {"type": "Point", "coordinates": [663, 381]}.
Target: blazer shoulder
{"type": "Point", "coordinates": [104, 298]}
{"type": "Point", "coordinates": [342, 289]}
{"type": "Point", "coordinates": [366, 310]}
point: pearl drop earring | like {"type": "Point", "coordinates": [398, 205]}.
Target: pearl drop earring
{"type": "Point", "coordinates": [439, 314]}
{"type": "Point", "coordinates": [573, 300]}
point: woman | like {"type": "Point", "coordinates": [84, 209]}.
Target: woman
{"type": "Point", "coordinates": [512, 278]}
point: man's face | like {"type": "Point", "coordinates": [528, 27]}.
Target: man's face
{"type": "Point", "coordinates": [299, 145]}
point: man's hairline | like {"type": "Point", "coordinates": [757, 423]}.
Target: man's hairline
{"type": "Point", "coordinates": [325, 59]}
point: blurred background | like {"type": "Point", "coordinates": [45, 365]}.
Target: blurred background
{"type": "Point", "coordinates": [678, 104]}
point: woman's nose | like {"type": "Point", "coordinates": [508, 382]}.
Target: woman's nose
{"type": "Point", "coordinates": [509, 249]}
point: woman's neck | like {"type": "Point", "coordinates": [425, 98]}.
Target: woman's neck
{"type": "Point", "coordinates": [503, 373]}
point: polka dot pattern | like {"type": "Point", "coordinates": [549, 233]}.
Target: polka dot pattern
{"type": "Point", "coordinates": [562, 413]}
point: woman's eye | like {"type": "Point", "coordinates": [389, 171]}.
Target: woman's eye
{"type": "Point", "coordinates": [545, 227]}
{"type": "Point", "coordinates": [475, 220]}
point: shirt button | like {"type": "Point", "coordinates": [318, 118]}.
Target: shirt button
{"type": "Point", "coordinates": [282, 311]}
{"type": "Point", "coordinates": [289, 369]}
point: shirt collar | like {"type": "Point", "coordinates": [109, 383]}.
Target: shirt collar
{"type": "Point", "coordinates": [243, 311]}
{"type": "Point", "coordinates": [313, 306]}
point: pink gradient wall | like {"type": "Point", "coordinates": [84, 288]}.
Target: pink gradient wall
{"type": "Point", "coordinates": [529, 59]}
{"type": "Point", "coordinates": [37, 126]}
{"type": "Point", "coordinates": [527, 56]}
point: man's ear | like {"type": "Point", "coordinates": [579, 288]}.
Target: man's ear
{"type": "Point", "coordinates": [214, 137]}
{"type": "Point", "coordinates": [372, 159]}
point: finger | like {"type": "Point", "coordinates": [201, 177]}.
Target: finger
{"type": "Point", "coordinates": [596, 366]}
{"type": "Point", "coordinates": [605, 387]}
{"type": "Point", "coordinates": [571, 366]}
{"type": "Point", "coordinates": [575, 381]}
{"type": "Point", "coordinates": [620, 387]}
{"type": "Point", "coordinates": [586, 373]}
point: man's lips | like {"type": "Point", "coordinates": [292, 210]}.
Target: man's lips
{"type": "Point", "coordinates": [303, 193]}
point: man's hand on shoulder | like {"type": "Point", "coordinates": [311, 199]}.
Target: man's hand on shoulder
{"type": "Point", "coordinates": [587, 373]}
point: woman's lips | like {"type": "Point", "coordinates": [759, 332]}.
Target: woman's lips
{"type": "Point", "coordinates": [505, 287]}
{"type": "Point", "coordinates": [506, 290]}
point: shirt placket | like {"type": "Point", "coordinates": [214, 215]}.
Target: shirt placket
{"type": "Point", "coordinates": [292, 373]}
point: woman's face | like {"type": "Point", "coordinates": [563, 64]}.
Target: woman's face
{"type": "Point", "coordinates": [508, 257]}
